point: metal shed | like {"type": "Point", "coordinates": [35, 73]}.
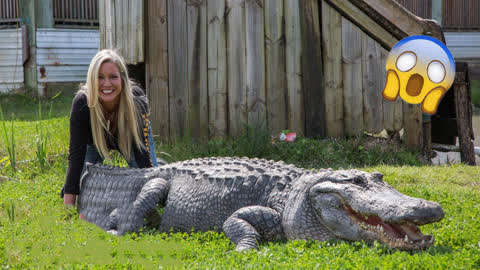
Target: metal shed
{"type": "Point", "coordinates": [11, 59]}
{"type": "Point", "coordinates": [63, 55]}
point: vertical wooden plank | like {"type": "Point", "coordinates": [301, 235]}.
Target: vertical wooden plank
{"type": "Point", "coordinates": [372, 89]}
{"type": "Point", "coordinates": [352, 78]}
{"type": "Point", "coordinates": [276, 83]}
{"type": "Point", "coordinates": [217, 61]}
{"type": "Point", "coordinates": [197, 120]}
{"type": "Point", "coordinates": [132, 35]}
{"type": "Point", "coordinates": [236, 65]}
{"type": "Point", "coordinates": [255, 50]}
{"type": "Point", "coordinates": [139, 27]}
{"type": "Point", "coordinates": [412, 124]}
{"type": "Point", "coordinates": [177, 63]}
{"type": "Point", "coordinates": [293, 53]}
{"type": "Point", "coordinates": [313, 80]}
{"type": "Point", "coordinates": [102, 23]}
{"type": "Point", "coordinates": [110, 20]}
{"type": "Point", "coordinates": [332, 61]}
{"type": "Point", "coordinates": [157, 66]}
{"type": "Point", "coordinates": [119, 34]}
{"type": "Point", "coordinates": [124, 29]}
{"type": "Point", "coordinates": [463, 110]}
{"type": "Point", "coordinates": [392, 111]}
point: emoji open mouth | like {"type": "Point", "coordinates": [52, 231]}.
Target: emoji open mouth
{"type": "Point", "coordinates": [415, 85]}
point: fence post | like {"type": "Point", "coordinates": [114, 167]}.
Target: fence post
{"type": "Point", "coordinates": [463, 109]}
{"type": "Point", "coordinates": [26, 9]}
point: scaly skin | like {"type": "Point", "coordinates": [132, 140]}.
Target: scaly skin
{"type": "Point", "coordinates": [254, 199]}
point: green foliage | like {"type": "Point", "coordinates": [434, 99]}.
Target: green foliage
{"type": "Point", "coordinates": [475, 87]}
{"type": "Point", "coordinates": [9, 141]}
{"type": "Point", "coordinates": [304, 152]}
{"type": "Point", "coordinates": [41, 139]}
{"type": "Point", "coordinates": [37, 231]}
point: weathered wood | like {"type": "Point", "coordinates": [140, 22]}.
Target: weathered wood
{"type": "Point", "coordinates": [177, 64]}
{"type": "Point", "coordinates": [364, 22]}
{"type": "Point", "coordinates": [332, 61]}
{"type": "Point", "coordinates": [236, 65]}
{"type": "Point", "coordinates": [313, 80]}
{"type": "Point", "coordinates": [255, 52]}
{"type": "Point", "coordinates": [392, 111]}
{"type": "Point", "coordinates": [276, 81]}
{"type": "Point", "coordinates": [217, 73]}
{"type": "Point", "coordinates": [463, 109]}
{"type": "Point", "coordinates": [392, 16]}
{"type": "Point", "coordinates": [197, 116]}
{"type": "Point", "coordinates": [156, 62]}
{"type": "Point", "coordinates": [140, 33]}
{"type": "Point", "coordinates": [412, 124]}
{"type": "Point", "coordinates": [352, 78]}
{"type": "Point", "coordinates": [293, 52]}
{"type": "Point", "coordinates": [373, 74]}
{"type": "Point", "coordinates": [121, 34]}
{"type": "Point", "coordinates": [121, 28]}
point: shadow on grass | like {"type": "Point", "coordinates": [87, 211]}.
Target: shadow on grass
{"type": "Point", "coordinates": [25, 108]}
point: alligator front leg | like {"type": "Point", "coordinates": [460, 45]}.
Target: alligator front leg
{"type": "Point", "coordinates": [246, 226]}
{"type": "Point", "coordinates": [131, 217]}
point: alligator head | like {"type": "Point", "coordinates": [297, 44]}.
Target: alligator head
{"type": "Point", "coordinates": [356, 205]}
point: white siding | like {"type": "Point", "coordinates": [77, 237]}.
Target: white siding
{"type": "Point", "coordinates": [11, 60]}
{"type": "Point", "coordinates": [463, 45]}
{"type": "Point", "coordinates": [65, 54]}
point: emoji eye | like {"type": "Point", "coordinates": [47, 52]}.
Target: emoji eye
{"type": "Point", "coordinates": [436, 71]}
{"type": "Point", "coordinates": [406, 61]}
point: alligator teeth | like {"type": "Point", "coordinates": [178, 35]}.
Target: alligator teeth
{"type": "Point", "coordinates": [406, 239]}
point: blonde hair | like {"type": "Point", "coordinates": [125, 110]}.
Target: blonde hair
{"type": "Point", "coordinates": [127, 116]}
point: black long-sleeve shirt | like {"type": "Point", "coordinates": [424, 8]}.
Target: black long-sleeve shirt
{"type": "Point", "coordinates": [81, 135]}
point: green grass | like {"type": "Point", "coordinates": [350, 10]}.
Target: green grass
{"type": "Point", "coordinates": [37, 231]}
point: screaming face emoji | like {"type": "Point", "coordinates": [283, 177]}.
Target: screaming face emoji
{"type": "Point", "coordinates": [421, 70]}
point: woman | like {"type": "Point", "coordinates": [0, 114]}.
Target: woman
{"type": "Point", "coordinates": [108, 112]}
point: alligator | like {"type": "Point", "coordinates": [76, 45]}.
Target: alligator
{"type": "Point", "coordinates": [253, 200]}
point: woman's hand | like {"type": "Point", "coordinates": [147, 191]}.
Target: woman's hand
{"type": "Point", "coordinates": [69, 199]}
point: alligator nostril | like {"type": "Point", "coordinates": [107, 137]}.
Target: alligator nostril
{"type": "Point", "coordinates": [415, 85]}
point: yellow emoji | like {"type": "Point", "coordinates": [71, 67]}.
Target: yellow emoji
{"type": "Point", "coordinates": [420, 69]}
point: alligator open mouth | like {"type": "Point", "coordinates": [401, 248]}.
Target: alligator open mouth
{"type": "Point", "coordinates": [406, 236]}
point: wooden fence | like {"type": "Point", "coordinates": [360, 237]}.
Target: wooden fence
{"type": "Point", "coordinates": [214, 66]}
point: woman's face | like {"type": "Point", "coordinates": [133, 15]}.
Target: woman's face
{"type": "Point", "coordinates": [109, 85]}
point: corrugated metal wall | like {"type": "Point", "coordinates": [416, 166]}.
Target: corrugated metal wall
{"type": "Point", "coordinates": [11, 59]}
{"type": "Point", "coordinates": [463, 45]}
{"type": "Point", "coordinates": [421, 8]}
{"type": "Point", "coordinates": [461, 14]}
{"type": "Point", "coordinates": [63, 55]}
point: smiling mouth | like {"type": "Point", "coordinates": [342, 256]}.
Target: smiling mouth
{"type": "Point", "coordinates": [405, 236]}
{"type": "Point", "coordinates": [107, 92]}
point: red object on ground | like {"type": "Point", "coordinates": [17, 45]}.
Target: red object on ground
{"type": "Point", "coordinates": [290, 137]}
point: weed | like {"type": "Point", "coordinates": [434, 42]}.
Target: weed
{"type": "Point", "coordinates": [41, 140]}
{"type": "Point", "coordinates": [9, 141]}
{"type": "Point", "coordinates": [10, 208]}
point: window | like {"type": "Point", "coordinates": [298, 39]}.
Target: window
{"type": "Point", "coordinates": [74, 13]}
{"type": "Point", "coordinates": [9, 14]}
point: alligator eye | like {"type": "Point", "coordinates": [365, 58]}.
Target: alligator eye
{"type": "Point", "coordinates": [358, 180]}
